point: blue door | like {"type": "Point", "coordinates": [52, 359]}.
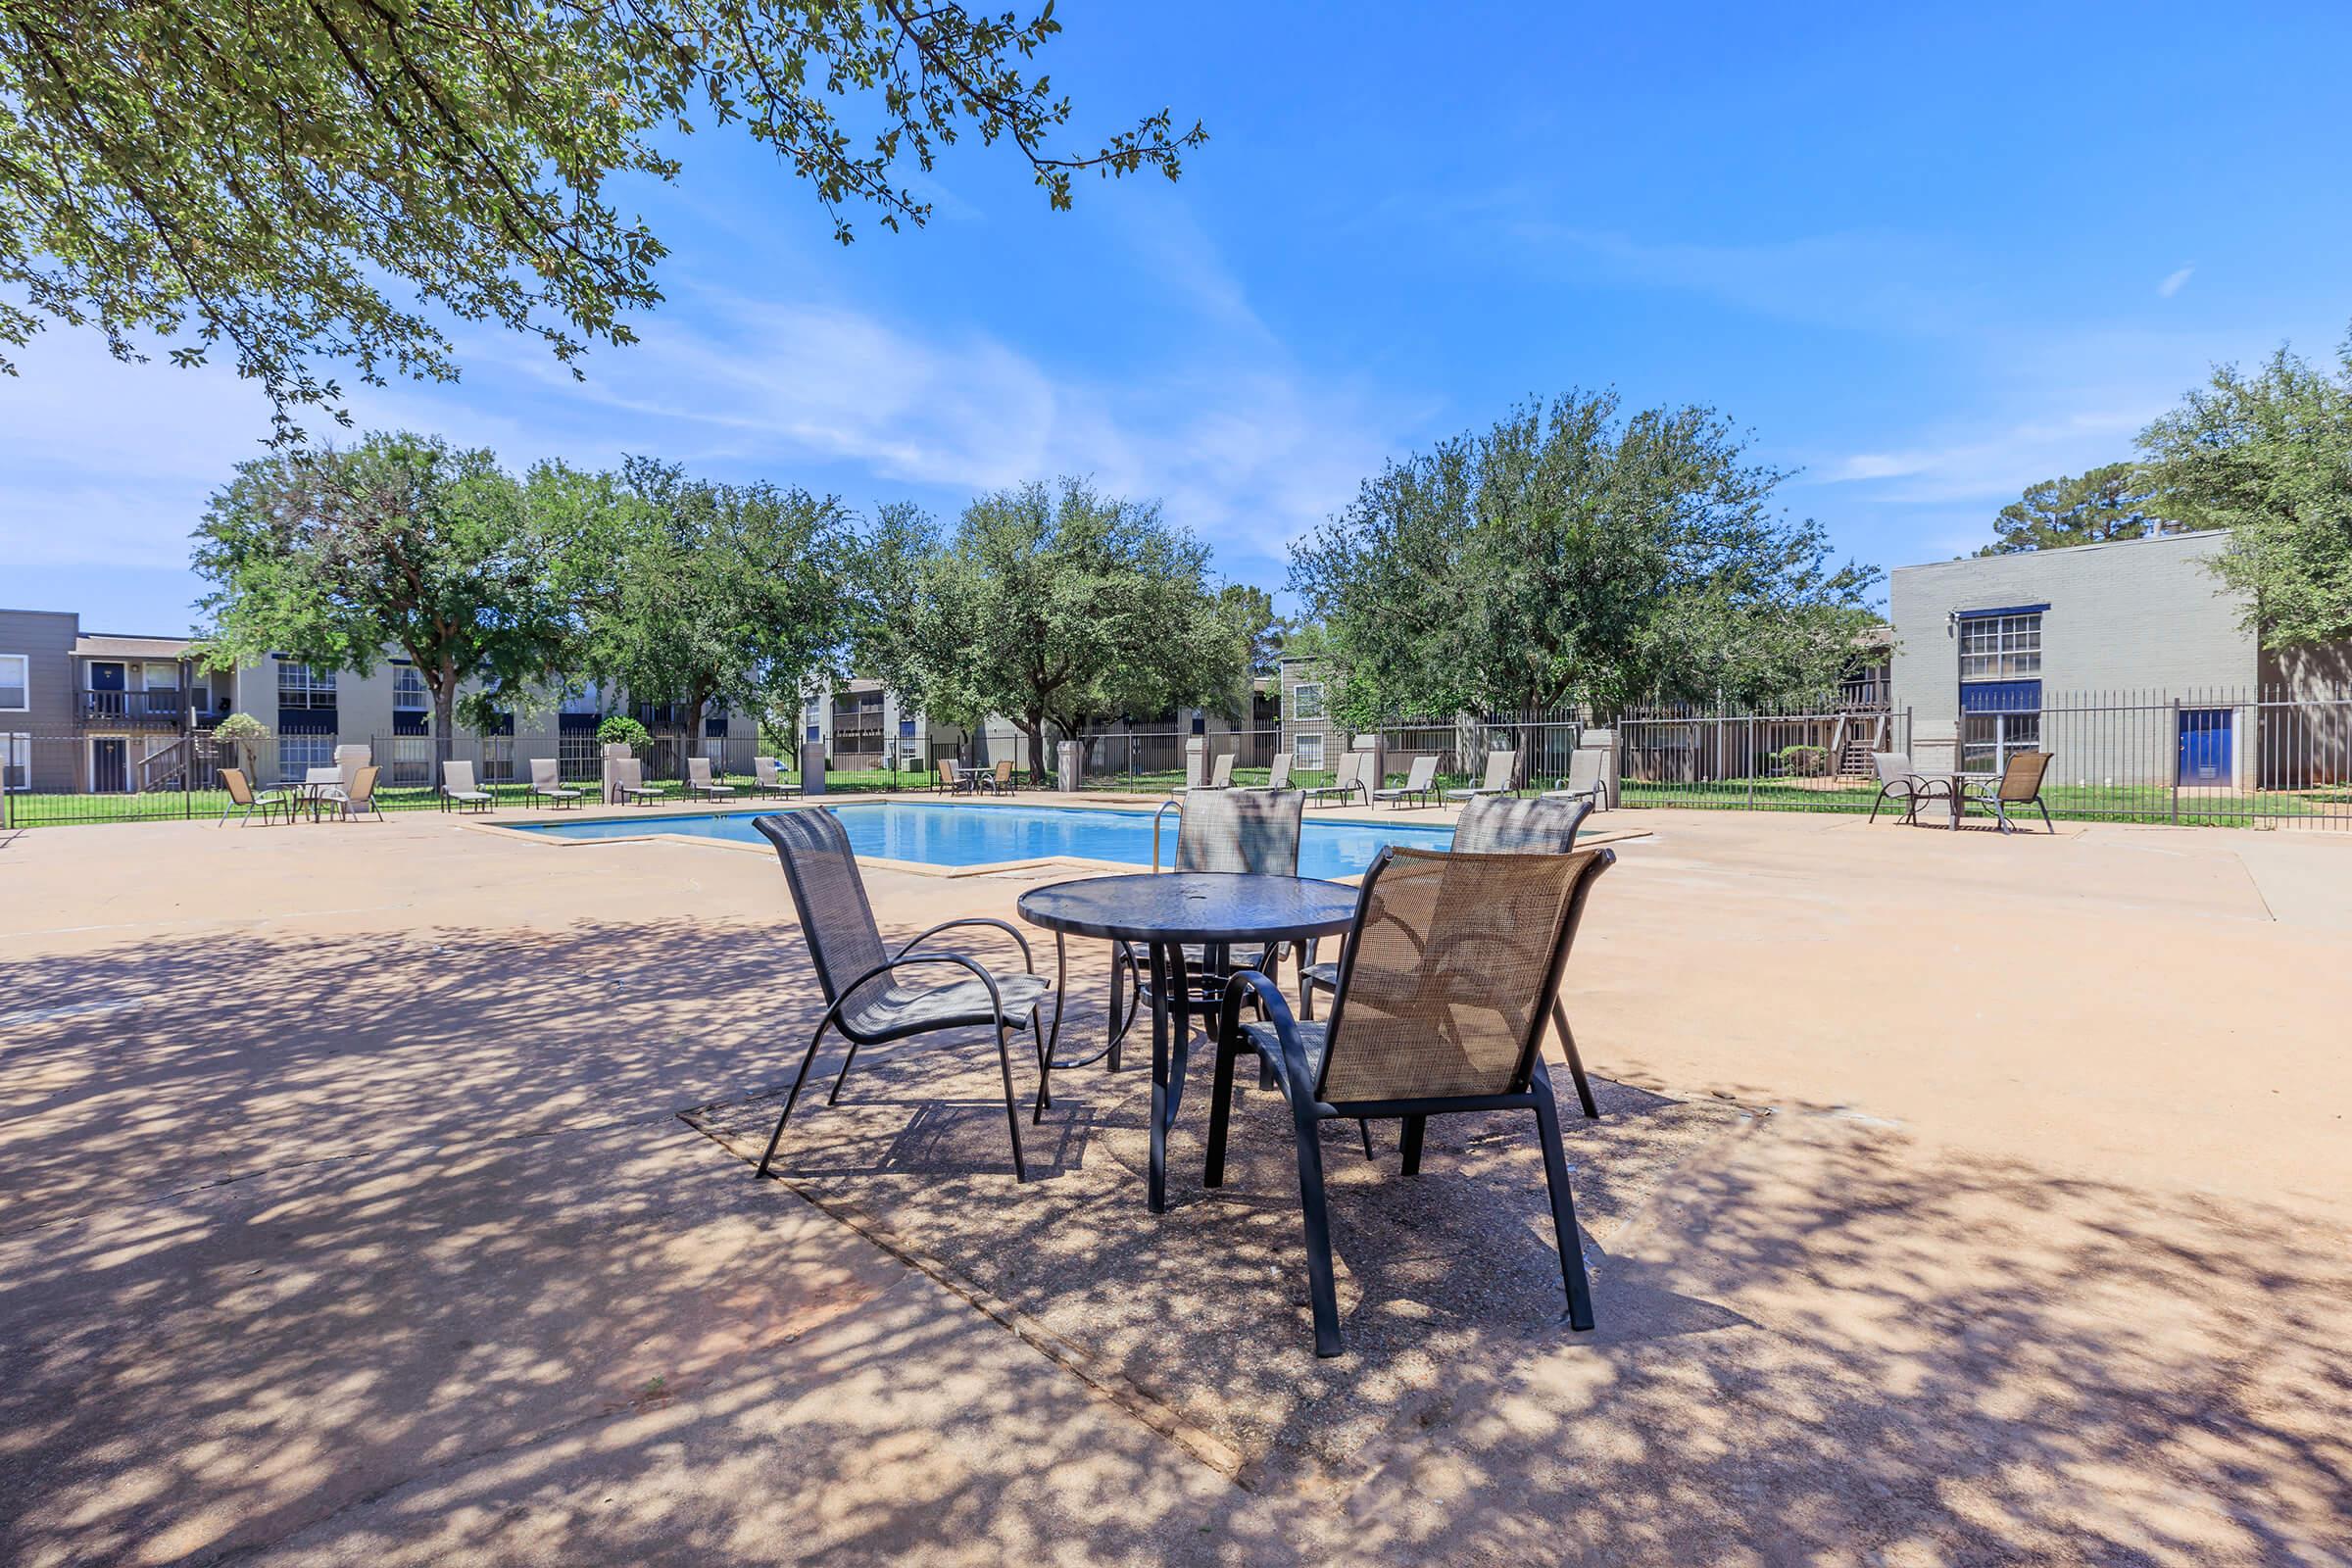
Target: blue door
{"type": "Point", "coordinates": [2205, 746]}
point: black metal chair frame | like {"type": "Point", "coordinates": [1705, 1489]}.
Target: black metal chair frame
{"type": "Point", "coordinates": [1302, 1089]}
{"type": "Point", "coordinates": [833, 1018]}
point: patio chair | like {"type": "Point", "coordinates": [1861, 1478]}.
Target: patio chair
{"type": "Point", "coordinates": [459, 789]}
{"type": "Point", "coordinates": [547, 782]}
{"type": "Point", "coordinates": [1278, 775]}
{"type": "Point", "coordinates": [1896, 782]}
{"type": "Point", "coordinates": [1234, 830]}
{"type": "Point", "coordinates": [698, 780]}
{"type": "Point", "coordinates": [1495, 824]}
{"type": "Point", "coordinates": [767, 778]}
{"type": "Point", "coordinates": [628, 777]}
{"type": "Point", "coordinates": [2020, 785]}
{"type": "Point", "coordinates": [1347, 781]}
{"type": "Point", "coordinates": [1502, 768]}
{"type": "Point", "coordinates": [865, 998]}
{"type": "Point", "coordinates": [242, 793]}
{"type": "Point", "coordinates": [358, 797]}
{"type": "Point", "coordinates": [1443, 983]}
{"type": "Point", "coordinates": [1587, 780]}
{"type": "Point", "coordinates": [1219, 771]}
{"type": "Point", "coordinates": [1420, 784]}
{"type": "Point", "coordinates": [1003, 780]}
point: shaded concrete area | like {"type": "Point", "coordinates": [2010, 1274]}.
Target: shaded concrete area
{"type": "Point", "coordinates": [348, 1213]}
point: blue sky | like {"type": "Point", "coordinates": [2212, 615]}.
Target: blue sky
{"type": "Point", "coordinates": [1926, 258]}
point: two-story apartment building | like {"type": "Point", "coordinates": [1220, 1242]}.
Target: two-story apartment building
{"type": "Point", "coordinates": [2129, 661]}
{"type": "Point", "coordinates": [107, 713]}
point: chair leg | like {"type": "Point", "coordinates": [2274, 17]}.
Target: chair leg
{"type": "Point", "coordinates": [834, 1098]}
{"type": "Point", "coordinates": [2046, 816]}
{"type": "Point", "coordinates": [1576, 1062]}
{"type": "Point", "coordinates": [1877, 803]}
{"type": "Point", "coordinates": [1414, 1127]}
{"type": "Point", "coordinates": [1563, 1205]}
{"type": "Point", "coordinates": [1045, 1064]}
{"type": "Point", "coordinates": [1012, 1114]}
{"type": "Point", "coordinates": [1364, 1126]}
{"type": "Point", "coordinates": [797, 1079]}
{"type": "Point", "coordinates": [1321, 1291]}
{"type": "Point", "coordinates": [1220, 1112]}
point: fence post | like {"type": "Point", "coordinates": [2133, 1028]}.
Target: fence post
{"type": "Point", "coordinates": [1750, 762]}
{"type": "Point", "coordinates": [2175, 761]}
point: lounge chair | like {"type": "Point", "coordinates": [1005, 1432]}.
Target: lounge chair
{"type": "Point", "coordinates": [1220, 774]}
{"type": "Point", "coordinates": [1420, 784]}
{"type": "Point", "coordinates": [547, 782]}
{"type": "Point", "coordinates": [1451, 963]}
{"type": "Point", "coordinates": [2020, 785]}
{"type": "Point", "coordinates": [767, 777]}
{"type": "Point", "coordinates": [1278, 776]}
{"type": "Point", "coordinates": [242, 793]}
{"type": "Point", "coordinates": [1350, 780]}
{"type": "Point", "coordinates": [358, 797]}
{"type": "Point", "coordinates": [864, 996]}
{"type": "Point", "coordinates": [628, 777]}
{"type": "Point", "coordinates": [1896, 782]}
{"type": "Point", "coordinates": [459, 789]}
{"type": "Point", "coordinates": [1587, 780]}
{"type": "Point", "coordinates": [1502, 768]}
{"type": "Point", "coordinates": [1494, 824]}
{"type": "Point", "coordinates": [698, 780]}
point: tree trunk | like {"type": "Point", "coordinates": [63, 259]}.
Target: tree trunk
{"type": "Point", "coordinates": [1033, 725]}
{"type": "Point", "coordinates": [445, 713]}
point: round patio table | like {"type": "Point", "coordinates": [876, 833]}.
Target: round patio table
{"type": "Point", "coordinates": [1165, 912]}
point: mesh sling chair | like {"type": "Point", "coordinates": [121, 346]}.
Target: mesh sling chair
{"type": "Point", "coordinates": [1497, 824]}
{"type": "Point", "coordinates": [866, 998]}
{"type": "Point", "coordinates": [1896, 782]}
{"type": "Point", "coordinates": [1218, 830]}
{"type": "Point", "coordinates": [2020, 785]}
{"type": "Point", "coordinates": [1439, 1009]}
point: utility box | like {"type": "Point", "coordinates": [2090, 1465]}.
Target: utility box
{"type": "Point", "coordinates": [1070, 771]}
{"type": "Point", "coordinates": [812, 768]}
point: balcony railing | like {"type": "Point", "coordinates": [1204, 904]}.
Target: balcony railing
{"type": "Point", "coordinates": [149, 706]}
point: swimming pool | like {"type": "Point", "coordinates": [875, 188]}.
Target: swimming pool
{"type": "Point", "coordinates": [938, 833]}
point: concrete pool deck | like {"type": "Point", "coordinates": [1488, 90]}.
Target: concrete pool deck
{"type": "Point", "coordinates": [347, 1214]}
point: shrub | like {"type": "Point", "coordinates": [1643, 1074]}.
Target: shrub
{"type": "Point", "coordinates": [622, 730]}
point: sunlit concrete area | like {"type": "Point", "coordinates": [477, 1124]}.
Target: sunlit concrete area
{"type": "Point", "coordinates": [383, 1193]}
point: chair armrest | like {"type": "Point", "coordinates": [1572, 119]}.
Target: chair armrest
{"type": "Point", "coordinates": [1005, 926]}
{"type": "Point", "coordinates": [1298, 1089]}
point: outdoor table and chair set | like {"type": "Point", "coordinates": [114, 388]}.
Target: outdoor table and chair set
{"type": "Point", "coordinates": [1447, 971]}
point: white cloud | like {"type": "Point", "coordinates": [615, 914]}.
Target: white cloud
{"type": "Point", "coordinates": [2173, 283]}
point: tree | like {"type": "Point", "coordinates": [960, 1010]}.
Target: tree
{"type": "Point", "coordinates": [1568, 553]}
{"type": "Point", "coordinates": [2269, 457]}
{"type": "Point", "coordinates": [701, 591]}
{"type": "Point", "coordinates": [1052, 607]}
{"type": "Point", "coordinates": [400, 543]}
{"type": "Point", "coordinates": [271, 172]}
{"type": "Point", "coordinates": [1251, 611]}
{"type": "Point", "coordinates": [2113, 501]}
{"type": "Point", "coordinates": [244, 734]}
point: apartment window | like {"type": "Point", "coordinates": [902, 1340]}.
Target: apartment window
{"type": "Point", "coordinates": [1309, 749]}
{"type": "Point", "coordinates": [301, 686]}
{"type": "Point", "coordinates": [2001, 647]}
{"type": "Point", "coordinates": [16, 762]}
{"type": "Point", "coordinates": [298, 754]}
{"type": "Point", "coordinates": [1307, 699]}
{"type": "Point", "coordinates": [16, 682]}
{"type": "Point", "coordinates": [408, 689]}
{"type": "Point", "coordinates": [1986, 740]}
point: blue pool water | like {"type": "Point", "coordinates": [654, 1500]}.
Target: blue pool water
{"type": "Point", "coordinates": [943, 834]}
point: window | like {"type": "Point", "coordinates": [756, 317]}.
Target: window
{"type": "Point", "coordinates": [408, 689]}
{"type": "Point", "coordinates": [1310, 752]}
{"type": "Point", "coordinates": [301, 686]}
{"type": "Point", "coordinates": [1307, 699]}
{"type": "Point", "coordinates": [1988, 739]}
{"type": "Point", "coordinates": [2001, 647]}
{"type": "Point", "coordinates": [298, 754]}
{"type": "Point", "coordinates": [16, 680]}
{"type": "Point", "coordinates": [16, 762]}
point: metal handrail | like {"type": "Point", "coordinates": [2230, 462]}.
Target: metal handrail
{"type": "Point", "coordinates": [1165, 808]}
